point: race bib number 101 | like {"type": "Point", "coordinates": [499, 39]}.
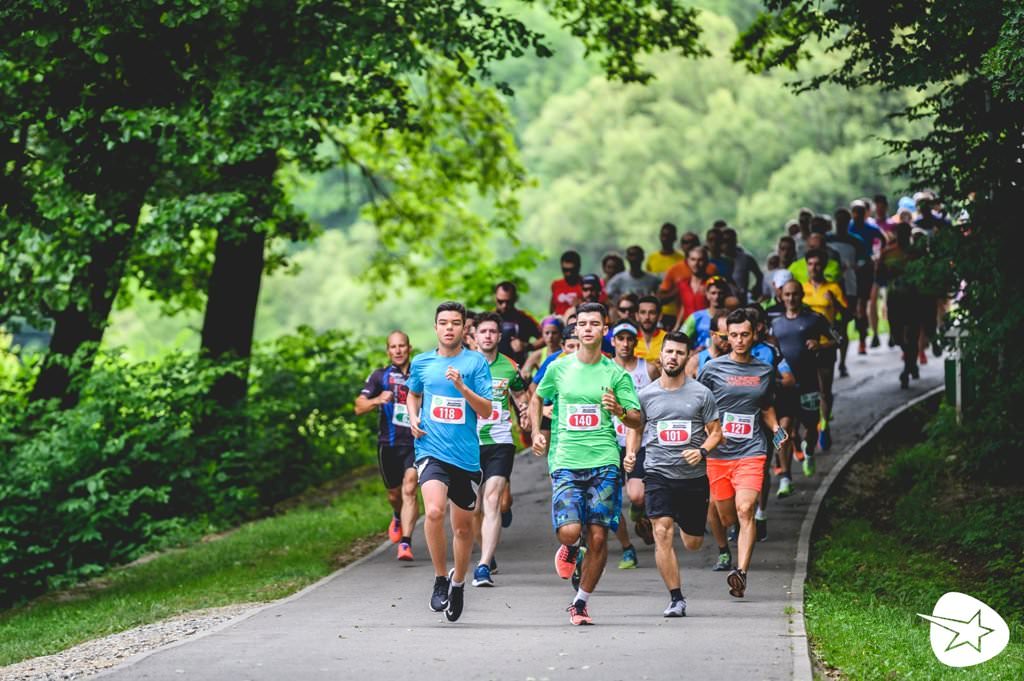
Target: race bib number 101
{"type": "Point", "coordinates": [451, 410]}
{"type": "Point", "coordinates": [583, 416]}
{"type": "Point", "coordinates": [673, 432]}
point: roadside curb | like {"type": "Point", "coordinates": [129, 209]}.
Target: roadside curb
{"type": "Point", "coordinates": [802, 670]}
{"type": "Point", "coordinates": [135, 659]}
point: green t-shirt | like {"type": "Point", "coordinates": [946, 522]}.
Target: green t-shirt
{"type": "Point", "coordinates": [505, 377]}
{"type": "Point", "coordinates": [583, 435]}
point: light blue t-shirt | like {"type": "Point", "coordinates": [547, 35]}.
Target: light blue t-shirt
{"type": "Point", "coordinates": [446, 417]}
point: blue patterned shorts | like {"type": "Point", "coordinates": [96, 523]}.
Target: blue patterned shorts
{"type": "Point", "coordinates": [588, 496]}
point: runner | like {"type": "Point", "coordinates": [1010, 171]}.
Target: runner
{"type": "Point", "coordinates": [518, 328]}
{"type": "Point", "coordinates": [680, 427]}
{"type": "Point", "coordinates": [662, 260]}
{"type": "Point", "coordinates": [386, 391]}
{"type": "Point", "coordinates": [826, 298]}
{"type": "Point", "coordinates": [567, 291]}
{"type": "Point", "coordinates": [799, 331]}
{"type": "Point", "coordinates": [497, 453]}
{"type": "Point", "coordinates": [584, 459]}
{"type": "Point", "coordinates": [648, 343]}
{"type": "Point", "coordinates": [743, 388]}
{"type": "Point", "coordinates": [875, 239]}
{"type": "Point", "coordinates": [551, 335]}
{"type": "Point", "coordinates": [698, 325]}
{"type": "Point", "coordinates": [853, 254]}
{"type": "Point", "coordinates": [634, 280]}
{"type": "Point", "coordinates": [642, 372]}
{"type": "Point", "coordinates": [449, 388]}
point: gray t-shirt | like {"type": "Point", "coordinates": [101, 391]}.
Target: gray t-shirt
{"type": "Point", "coordinates": [740, 390]}
{"type": "Point", "coordinates": [624, 282]}
{"type": "Point", "coordinates": [674, 421]}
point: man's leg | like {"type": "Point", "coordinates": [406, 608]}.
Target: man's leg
{"type": "Point", "coordinates": [741, 509]}
{"type": "Point", "coordinates": [664, 552]}
{"type": "Point", "coordinates": [435, 498]}
{"type": "Point", "coordinates": [462, 542]}
{"type": "Point", "coordinates": [873, 314]}
{"type": "Point", "coordinates": [490, 531]}
{"type": "Point", "coordinates": [597, 556]}
{"type": "Point", "coordinates": [410, 509]}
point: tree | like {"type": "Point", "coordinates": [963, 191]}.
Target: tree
{"type": "Point", "coordinates": [969, 63]}
{"type": "Point", "coordinates": [118, 120]}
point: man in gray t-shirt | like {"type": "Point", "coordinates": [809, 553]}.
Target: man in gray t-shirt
{"type": "Point", "coordinates": [681, 425]}
{"type": "Point", "coordinates": [633, 280]}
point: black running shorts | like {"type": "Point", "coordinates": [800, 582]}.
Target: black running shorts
{"type": "Point", "coordinates": [393, 462]}
{"type": "Point", "coordinates": [685, 501]}
{"type": "Point", "coordinates": [497, 460]}
{"type": "Point", "coordinates": [462, 484]}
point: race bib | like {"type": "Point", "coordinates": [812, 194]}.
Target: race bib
{"type": "Point", "coordinates": [620, 427]}
{"type": "Point", "coordinates": [450, 410]}
{"type": "Point", "coordinates": [583, 416]}
{"type": "Point", "coordinates": [738, 426]}
{"type": "Point", "coordinates": [400, 417]}
{"type": "Point", "coordinates": [671, 433]}
{"type": "Point", "coordinates": [495, 414]}
{"type": "Point", "coordinates": [810, 401]}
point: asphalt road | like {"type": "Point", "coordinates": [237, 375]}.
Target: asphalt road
{"type": "Point", "coordinates": [371, 621]}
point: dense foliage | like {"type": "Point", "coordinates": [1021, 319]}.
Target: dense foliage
{"type": "Point", "coordinates": [124, 471]}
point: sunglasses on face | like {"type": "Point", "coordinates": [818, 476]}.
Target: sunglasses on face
{"type": "Point", "coordinates": [626, 308]}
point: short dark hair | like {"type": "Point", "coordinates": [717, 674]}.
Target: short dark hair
{"type": "Point", "coordinates": [569, 332]}
{"type": "Point", "coordinates": [649, 299]}
{"type": "Point", "coordinates": [676, 337]}
{"type": "Point", "coordinates": [571, 256]}
{"type": "Point", "coordinates": [488, 317]}
{"type": "Point", "coordinates": [591, 308]}
{"type": "Point", "coordinates": [721, 314]}
{"type": "Point", "coordinates": [631, 297]}
{"type": "Point", "coordinates": [787, 238]}
{"type": "Point", "coordinates": [506, 286]}
{"type": "Point", "coordinates": [740, 316]}
{"type": "Point", "coordinates": [819, 253]}
{"type": "Point", "coordinates": [880, 198]}
{"type": "Point", "coordinates": [451, 306]}
{"type": "Point", "coordinates": [669, 225]}
{"type": "Point", "coordinates": [719, 224]}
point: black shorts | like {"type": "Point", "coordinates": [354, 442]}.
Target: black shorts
{"type": "Point", "coordinates": [462, 484]}
{"type": "Point", "coordinates": [787, 402]}
{"type": "Point", "coordinates": [545, 424]}
{"type": "Point", "coordinates": [685, 501]}
{"type": "Point", "coordinates": [827, 358]}
{"type": "Point", "coordinates": [865, 280]}
{"type": "Point", "coordinates": [497, 460]}
{"type": "Point", "coordinates": [638, 469]}
{"type": "Point", "coordinates": [393, 461]}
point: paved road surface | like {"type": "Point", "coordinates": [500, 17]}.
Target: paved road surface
{"type": "Point", "coordinates": [372, 621]}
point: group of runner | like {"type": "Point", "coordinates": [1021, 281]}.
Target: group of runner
{"type": "Point", "coordinates": [686, 392]}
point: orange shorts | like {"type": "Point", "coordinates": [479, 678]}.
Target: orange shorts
{"type": "Point", "coordinates": [728, 475]}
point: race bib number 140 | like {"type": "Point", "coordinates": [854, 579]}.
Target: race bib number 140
{"type": "Point", "coordinates": [583, 416]}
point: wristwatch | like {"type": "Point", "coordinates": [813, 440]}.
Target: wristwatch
{"type": "Point", "coordinates": [703, 453]}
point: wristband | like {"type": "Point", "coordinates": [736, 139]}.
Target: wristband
{"type": "Point", "coordinates": [703, 453]}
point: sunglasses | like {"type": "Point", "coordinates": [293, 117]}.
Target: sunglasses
{"type": "Point", "coordinates": [626, 308]}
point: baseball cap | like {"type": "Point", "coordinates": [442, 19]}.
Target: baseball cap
{"type": "Point", "coordinates": [624, 326]}
{"type": "Point", "coordinates": [780, 277]}
{"type": "Point", "coordinates": [591, 280]}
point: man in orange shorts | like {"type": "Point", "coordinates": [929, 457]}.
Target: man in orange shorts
{"type": "Point", "coordinates": [743, 387]}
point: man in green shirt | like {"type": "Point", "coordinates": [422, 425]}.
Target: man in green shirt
{"type": "Point", "coordinates": [497, 452]}
{"type": "Point", "coordinates": [588, 389]}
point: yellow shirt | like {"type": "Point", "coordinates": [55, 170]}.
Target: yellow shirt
{"type": "Point", "coordinates": [658, 263]}
{"type": "Point", "coordinates": [652, 352]}
{"type": "Point", "coordinates": [816, 298]}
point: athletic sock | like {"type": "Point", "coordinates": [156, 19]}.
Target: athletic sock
{"type": "Point", "coordinates": [407, 540]}
{"type": "Point", "coordinates": [724, 549]}
{"type": "Point", "coordinates": [457, 585]}
{"type": "Point", "coordinates": [676, 594]}
{"type": "Point", "coordinates": [759, 514]}
{"type": "Point", "coordinates": [582, 595]}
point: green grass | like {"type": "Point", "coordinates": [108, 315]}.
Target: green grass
{"type": "Point", "coordinates": [901, 530]}
{"type": "Point", "coordinates": [261, 561]}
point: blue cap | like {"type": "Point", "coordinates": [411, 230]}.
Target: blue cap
{"type": "Point", "coordinates": [624, 326]}
{"type": "Point", "coordinates": [907, 203]}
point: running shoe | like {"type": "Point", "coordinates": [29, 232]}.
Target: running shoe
{"type": "Point", "coordinates": [395, 530]}
{"type": "Point", "coordinates": [733, 532]}
{"type": "Point", "coordinates": [809, 466]}
{"type": "Point", "coordinates": [862, 347]}
{"type": "Point", "coordinates": [724, 563]}
{"type": "Point", "coordinates": [456, 597]}
{"type": "Point", "coordinates": [892, 341]}
{"type": "Point", "coordinates": [922, 357]}
{"type": "Point", "coordinates": [494, 565]}
{"type": "Point", "coordinates": [798, 452]}
{"type": "Point", "coordinates": [506, 518]}
{"type": "Point", "coordinates": [439, 599]}
{"type": "Point", "coordinates": [644, 530]}
{"type": "Point", "coordinates": [785, 488]}
{"type": "Point", "coordinates": [824, 439]}
{"type": "Point", "coordinates": [565, 560]}
{"type": "Point", "coordinates": [761, 524]}
{"type": "Point", "coordinates": [404, 551]}
{"type": "Point", "coordinates": [737, 581]}
{"type": "Point", "coordinates": [578, 614]}
{"type": "Point", "coordinates": [936, 348]}
{"type": "Point", "coordinates": [676, 609]}
{"type": "Point", "coordinates": [482, 576]}
{"type": "Point", "coordinates": [628, 561]}
{"type": "Point", "coordinates": [843, 373]}
{"type": "Point", "coordinates": [875, 343]}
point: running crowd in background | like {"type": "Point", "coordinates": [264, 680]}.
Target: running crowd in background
{"type": "Point", "coordinates": [684, 378]}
